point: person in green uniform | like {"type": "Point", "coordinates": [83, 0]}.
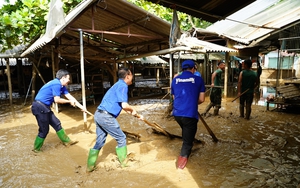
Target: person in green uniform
{"type": "Point", "coordinates": [216, 92]}
{"type": "Point", "coordinates": [247, 82]}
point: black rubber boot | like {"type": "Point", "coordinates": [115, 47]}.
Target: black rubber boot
{"type": "Point", "coordinates": [241, 111]}
{"type": "Point", "coordinates": [248, 111]}
{"type": "Point", "coordinates": [207, 109]}
{"type": "Point", "coordinates": [216, 111]}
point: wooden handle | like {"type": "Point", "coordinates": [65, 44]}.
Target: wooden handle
{"type": "Point", "coordinates": [155, 125]}
{"type": "Point", "coordinates": [214, 86]}
{"type": "Point", "coordinates": [208, 129]}
{"type": "Point", "coordinates": [82, 108]}
{"type": "Point", "coordinates": [240, 95]}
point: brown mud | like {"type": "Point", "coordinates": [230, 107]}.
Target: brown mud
{"type": "Point", "coordinates": [260, 152]}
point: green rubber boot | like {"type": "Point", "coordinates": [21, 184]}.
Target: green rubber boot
{"type": "Point", "coordinates": [38, 143]}
{"type": "Point", "coordinates": [92, 158]}
{"type": "Point", "coordinates": [64, 138]}
{"type": "Point", "coordinates": [122, 155]}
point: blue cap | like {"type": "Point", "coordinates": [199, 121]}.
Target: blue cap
{"type": "Point", "coordinates": [188, 64]}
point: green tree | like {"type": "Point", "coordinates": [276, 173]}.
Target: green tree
{"type": "Point", "coordinates": [24, 20]}
{"type": "Point", "coordinates": [186, 21]}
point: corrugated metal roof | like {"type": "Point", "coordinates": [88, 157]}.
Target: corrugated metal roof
{"type": "Point", "coordinates": [257, 20]}
{"type": "Point", "coordinates": [13, 61]}
{"type": "Point", "coordinates": [195, 56]}
{"type": "Point", "coordinates": [14, 52]}
{"type": "Point", "coordinates": [113, 29]}
{"type": "Point", "coordinates": [193, 42]}
{"type": "Point", "coordinates": [151, 60]}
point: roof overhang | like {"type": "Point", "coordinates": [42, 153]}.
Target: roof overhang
{"type": "Point", "coordinates": [211, 11]}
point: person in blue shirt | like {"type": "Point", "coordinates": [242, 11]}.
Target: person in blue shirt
{"type": "Point", "coordinates": [188, 91]}
{"type": "Point", "coordinates": [49, 93]}
{"type": "Point", "coordinates": [114, 100]}
{"type": "Point", "coordinates": [197, 73]}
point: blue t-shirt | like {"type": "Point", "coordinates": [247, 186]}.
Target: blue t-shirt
{"type": "Point", "coordinates": [50, 90]}
{"type": "Point", "coordinates": [197, 73]}
{"type": "Point", "coordinates": [113, 98]}
{"type": "Point", "coordinates": [186, 88]}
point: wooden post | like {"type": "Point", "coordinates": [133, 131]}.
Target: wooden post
{"type": "Point", "coordinates": [3, 75]}
{"type": "Point", "coordinates": [52, 62]}
{"type": "Point", "coordinates": [9, 81]}
{"type": "Point", "coordinates": [115, 69]}
{"type": "Point", "coordinates": [226, 74]}
{"type": "Point", "coordinates": [206, 62]}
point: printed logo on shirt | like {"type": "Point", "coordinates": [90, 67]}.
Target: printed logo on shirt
{"type": "Point", "coordinates": [192, 80]}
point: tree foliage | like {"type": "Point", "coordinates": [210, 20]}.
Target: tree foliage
{"type": "Point", "coordinates": [186, 21]}
{"type": "Point", "coordinates": [21, 22]}
{"type": "Point", "coordinates": [24, 20]}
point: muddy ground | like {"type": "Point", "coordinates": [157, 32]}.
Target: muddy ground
{"type": "Point", "coordinates": [260, 152]}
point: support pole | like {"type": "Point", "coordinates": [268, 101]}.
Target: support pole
{"type": "Point", "coordinates": [171, 68]}
{"type": "Point", "coordinates": [205, 64]}
{"type": "Point", "coordinates": [226, 73]}
{"type": "Point", "coordinates": [55, 105]}
{"type": "Point", "coordinates": [9, 81]}
{"type": "Point", "coordinates": [82, 76]}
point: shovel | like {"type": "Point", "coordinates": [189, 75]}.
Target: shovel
{"type": "Point", "coordinates": [159, 128]}
{"type": "Point", "coordinates": [82, 108]}
{"type": "Point", "coordinates": [208, 129]}
{"type": "Point", "coordinates": [240, 95]}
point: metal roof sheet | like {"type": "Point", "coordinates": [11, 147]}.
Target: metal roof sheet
{"type": "Point", "coordinates": [112, 29]}
{"type": "Point", "coordinates": [14, 52]}
{"type": "Point", "coordinates": [196, 56]}
{"type": "Point", "coordinates": [151, 60]}
{"type": "Point", "coordinates": [193, 42]}
{"type": "Point", "coordinates": [257, 20]}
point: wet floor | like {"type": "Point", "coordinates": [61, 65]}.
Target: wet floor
{"type": "Point", "coordinates": [260, 152]}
